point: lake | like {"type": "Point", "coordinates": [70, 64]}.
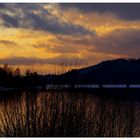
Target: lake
{"type": "Point", "coordinates": [80, 113]}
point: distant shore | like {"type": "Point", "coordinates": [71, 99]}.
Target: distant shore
{"type": "Point", "coordinates": [93, 86]}
{"type": "Point", "coordinates": [77, 86]}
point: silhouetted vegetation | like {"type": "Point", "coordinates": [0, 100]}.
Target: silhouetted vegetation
{"type": "Point", "coordinates": [119, 71]}
{"type": "Point", "coordinates": [13, 78]}
{"type": "Point", "coordinates": [69, 114]}
{"type": "Point", "coordinates": [73, 112]}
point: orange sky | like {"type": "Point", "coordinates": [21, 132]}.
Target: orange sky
{"type": "Point", "coordinates": [46, 37]}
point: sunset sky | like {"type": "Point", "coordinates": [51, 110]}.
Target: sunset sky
{"type": "Point", "coordinates": [46, 37]}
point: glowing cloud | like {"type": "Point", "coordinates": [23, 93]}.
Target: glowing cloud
{"type": "Point", "coordinates": [74, 34]}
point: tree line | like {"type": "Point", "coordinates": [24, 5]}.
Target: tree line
{"type": "Point", "coordinates": [10, 77]}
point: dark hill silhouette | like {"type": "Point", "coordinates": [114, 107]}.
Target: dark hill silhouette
{"type": "Point", "coordinates": [119, 71]}
{"type": "Point", "coordinates": [107, 72]}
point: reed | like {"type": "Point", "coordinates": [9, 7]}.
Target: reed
{"type": "Point", "coordinates": [67, 113]}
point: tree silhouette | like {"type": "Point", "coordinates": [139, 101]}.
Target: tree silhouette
{"type": "Point", "coordinates": [10, 77]}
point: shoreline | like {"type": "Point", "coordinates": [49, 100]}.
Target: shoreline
{"type": "Point", "coordinates": [75, 86]}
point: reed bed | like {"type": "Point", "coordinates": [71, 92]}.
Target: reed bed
{"type": "Point", "coordinates": [69, 114]}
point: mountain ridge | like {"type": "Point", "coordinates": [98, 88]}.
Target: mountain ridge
{"type": "Point", "coordinates": [110, 71]}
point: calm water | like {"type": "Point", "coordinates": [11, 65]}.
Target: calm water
{"type": "Point", "coordinates": [70, 113]}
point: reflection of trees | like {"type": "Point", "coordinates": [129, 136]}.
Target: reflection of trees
{"type": "Point", "coordinates": [68, 114]}
{"type": "Point", "coordinates": [116, 115]}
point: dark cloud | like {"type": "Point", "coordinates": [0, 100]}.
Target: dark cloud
{"type": "Point", "coordinates": [9, 21]}
{"type": "Point", "coordinates": [8, 43]}
{"type": "Point", "coordinates": [2, 5]}
{"type": "Point", "coordinates": [128, 11]}
{"type": "Point", "coordinates": [123, 43]}
{"type": "Point", "coordinates": [23, 16]}
{"type": "Point", "coordinates": [54, 26]}
{"type": "Point", "coordinates": [119, 42]}
{"type": "Point", "coordinates": [76, 41]}
{"type": "Point", "coordinates": [61, 60]}
{"type": "Point", "coordinates": [58, 48]}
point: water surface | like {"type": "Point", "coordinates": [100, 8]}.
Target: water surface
{"type": "Point", "coordinates": [70, 113]}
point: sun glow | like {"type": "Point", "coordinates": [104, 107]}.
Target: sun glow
{"type": "Point", "coordinates": [47, 43]}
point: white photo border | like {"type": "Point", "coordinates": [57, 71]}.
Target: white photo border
{"type": "Point", "coordinates": [69, 1]}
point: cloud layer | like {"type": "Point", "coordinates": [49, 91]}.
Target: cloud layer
{"type": "Point", "coordinates": [36, 17]}
{"type": "Point", "coordinates": [61, 60]}
{"type": "Point", "coordinates": [67, 34]}
{"type": "Point", "coordinates": [127, 11]}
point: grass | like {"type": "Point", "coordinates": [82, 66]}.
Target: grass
{"type": "Point", "coordinates": [68, 113]}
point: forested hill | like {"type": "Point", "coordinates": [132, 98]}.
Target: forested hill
{"type": "Point", "coordinates": [119, 71]}
{"type": "Point", "coordinates": [112, 71]}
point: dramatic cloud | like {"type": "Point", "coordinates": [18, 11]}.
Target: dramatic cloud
{"type": "Point", "coordinates": [53, 35]}
{"type": "Point", "coordinates": [38, 18]}
{"type": "Point", "coordinates": [9, 21]}
{"type": "Point", "coordinates": [127, 11]}
{"type": "Point", "coordinates": [121, 42]}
